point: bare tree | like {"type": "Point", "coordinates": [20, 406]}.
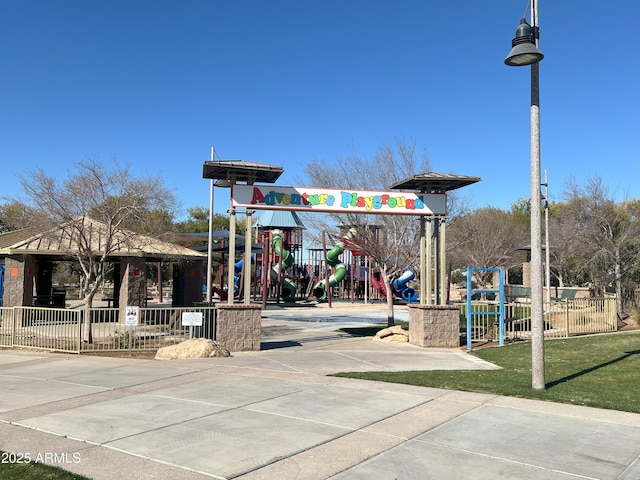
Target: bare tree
{"type": "Point", "coordinates": [486, 238]}
{"type": "Point", "coordinates": [565, 246]}
{"type": "Point", "coordinates": [396, 246]}
{"type": "Point", "coordinates": [93, 201]}
{"type": "Point", "coordinates": [609, 233]}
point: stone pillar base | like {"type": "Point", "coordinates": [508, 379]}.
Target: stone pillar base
{"type": "Point", "coordinates": [238, 326]}
{"type": "Point", "coordinates": [434, 326]}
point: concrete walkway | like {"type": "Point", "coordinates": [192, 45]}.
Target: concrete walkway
{"type": "Point", "coordinates": [274, 414]}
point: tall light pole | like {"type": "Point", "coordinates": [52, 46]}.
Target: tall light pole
{"type": "Point", "coordinates": [525, 52]}
{"type": "Point", "coordinates": [212, 183]}
{"type": "Point", "coordinates": [547, 254]}
{"type": "Point", "coordinates": [210, 236]}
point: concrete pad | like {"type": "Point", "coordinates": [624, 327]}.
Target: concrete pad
{"type": "Point", "coordinates": [123, 376]}
{"type": "Point", "coordinates": [231, 390]}
{"type": "Point", "coordinates": [327, 459]}
{"type": "Point", "coordinates": [108, 421]}
{"type": "Point", "coordinates": [248, 360]}
{"type": "Point", "coordinates": [341, 406]}
{"type": "Point", "coordinates": [418, 461]}
{"type": "Point", "coordinates": [7, 358]}
{"type": "Point", "coordinates": [19, 392]}
{"type": "Point", "coordinates": [83, 458]}
{"type": "Point", "coordinates": [573, 445]}
{"type": "Point", "coordinates": [54, 368]}
{"type": "Point", "coordinates": [320, 362]}
{"type": "Point", "coordinates": [230, 443]}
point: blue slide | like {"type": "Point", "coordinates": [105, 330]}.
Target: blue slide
{"type": "Point", "coordinates": [238, 272]}
{"type": "Point", "coordinates": [403, 290]}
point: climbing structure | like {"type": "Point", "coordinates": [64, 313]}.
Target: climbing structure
{"type": "Point", "coordinates": [286, 259]}
{"type": "Point", "coordinates": [340, 270]}
{"type": "Point", "coordinates": [281, 232]}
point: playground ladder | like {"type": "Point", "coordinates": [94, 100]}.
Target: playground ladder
{"type": "Point", "coordinates": [471, 291]}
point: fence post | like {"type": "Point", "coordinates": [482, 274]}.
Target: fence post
{"type": "Point", "coordinates": [79, 336]}
{"type": "Point", "coordinates": [13, 326]}
{"type": "Point", "coordinates": [566, 308]}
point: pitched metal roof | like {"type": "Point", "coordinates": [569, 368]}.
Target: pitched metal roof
{"type": "Point", "coordinates": [435, 182]}
{"type": "Point", "coordinates": [15, 236]}
{"type": "Point", "coordinates": [66, 239]}
{"type": "Point", "coordinates": [280, 219]}
{"type": "Point", "coordinates": [241, 171]}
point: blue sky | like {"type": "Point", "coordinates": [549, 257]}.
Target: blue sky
{"type": "Point", "coordinates": [157, 83]}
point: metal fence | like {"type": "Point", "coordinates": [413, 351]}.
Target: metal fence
{"type": "Point", "coordinates": [99, 329]}
{"type": "Point", "coordinates": [561, 319]}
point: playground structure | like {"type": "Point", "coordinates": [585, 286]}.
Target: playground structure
{"type": "Point", "coordinates": [277, 272]}
{"type": "Point", "coordinates": [355, 274]}
{"type": "Point", "coordinates": [348, 270]}
{"type": "Point", "coordinates": [340, 270]}
{"type": "Point", "coordinates": [401, 286]}
{"type": "Point", "coordinates": [422, 196]}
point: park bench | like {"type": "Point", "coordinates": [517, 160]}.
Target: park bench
{"type": "Point", "coordinates": [513, 293]}
{"type": "Point", "coordinates": [567, 294]}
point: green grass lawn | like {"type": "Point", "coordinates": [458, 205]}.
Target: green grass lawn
{"type": "Point", "coordinates": [600, 371]}
{"type": "Point", "coordinates": [11, 470]}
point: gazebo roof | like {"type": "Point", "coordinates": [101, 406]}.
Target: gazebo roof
{"type": "Point", "coordinates": [62, 241]}
{"type": "Point", "coordinates": [280, 219]}
{"type": "Point", "coordinates": [15, 236]}
{"type": "Point", "coordinates": [241, 171]}
{"type": "Point", "coordinates": [435, 182]}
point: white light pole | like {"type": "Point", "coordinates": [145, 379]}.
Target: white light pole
{"type": "Point", "coordinates": [213, 183]}
{"type": "Point", "coordinates": [210, 237]}
{"type": "Point", "coordinates": [547, 273]}
{"type": "Point", "coordinates": [525, 52]}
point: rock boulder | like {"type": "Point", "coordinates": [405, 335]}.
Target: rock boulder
{"type": "Point", "coordinates": [193, 348]}
{"type": "Point", "coordinates": [392, 334]}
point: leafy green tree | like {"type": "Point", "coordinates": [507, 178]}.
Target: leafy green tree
{"type": "Point", "coordinates": [487, 238]}
{"type": "Point", "coordinates": [198, 221]}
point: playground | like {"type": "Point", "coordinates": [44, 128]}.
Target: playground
{"type": "Point", "coordinates": [271, 268]}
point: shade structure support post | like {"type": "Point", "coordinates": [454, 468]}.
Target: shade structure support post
{"type": "Point", "coordinates": [232, 256]}
{"type": "Point", "coordinates": [247, 259]}
{"type": "Point", "coordinates": [423, 261]}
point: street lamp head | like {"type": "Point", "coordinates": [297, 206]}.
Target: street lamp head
{"type": "Point", "coordinates": [524, 50]}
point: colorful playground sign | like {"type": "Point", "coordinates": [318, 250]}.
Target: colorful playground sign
{"type": "Point", "coordinates": [269, 197]}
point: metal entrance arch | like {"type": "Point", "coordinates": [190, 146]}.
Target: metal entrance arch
{"type": "Point", "coordinates": [433, 272]}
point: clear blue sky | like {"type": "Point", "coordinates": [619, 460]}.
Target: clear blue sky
{"type": "Point", "coordinates": [156, 83]}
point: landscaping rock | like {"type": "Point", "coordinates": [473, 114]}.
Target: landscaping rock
{"type": "Point", "coordinates": [393, 338]}
{"type": "Point", "coordinates": [392, 334]}
{"type": "Point", "coordinates": [193, 348]}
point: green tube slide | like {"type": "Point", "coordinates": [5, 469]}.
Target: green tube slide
{"type": "Point", "coordinates": [339, 272]}
{"type": "Point", "coordinates": [288, 287]}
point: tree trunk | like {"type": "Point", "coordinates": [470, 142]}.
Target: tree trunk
{"type": "Point", "coordinates": [618, 282]}
{"type": "Point", "coordinates": [387, 286]}
{"type": "Point", "coordinates": [87, 334]}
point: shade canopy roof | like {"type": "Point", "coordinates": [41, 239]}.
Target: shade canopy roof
{"type": "Point", "coordinates": [280, 219]}
{"type": "Point", "coordinates": [433, 182]}
{"type": "Point", "coordinates": [64, 241]}
{"type": "Point", "coordinates": [202, 236]}
{"type": "Point", "coordinates": [235, 171]}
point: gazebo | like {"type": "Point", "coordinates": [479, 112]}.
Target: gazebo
{"type": "Point", "coordinates": [29, 255]}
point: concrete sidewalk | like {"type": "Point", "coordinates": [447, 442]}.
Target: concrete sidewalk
{"type": "Point", "coordinates": [274, 414]}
